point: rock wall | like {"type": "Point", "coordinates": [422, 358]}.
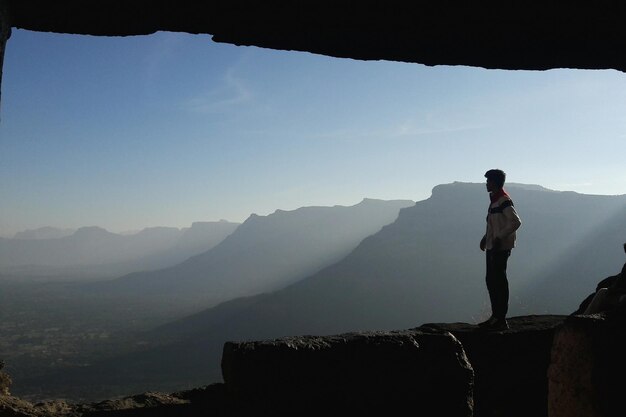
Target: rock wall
{"type": "Point", "coordinates": [587, 375]}
{"type": "Point", "coordinates": [363, 374]}
{"type": "Point", "coordinates": [510, 367]}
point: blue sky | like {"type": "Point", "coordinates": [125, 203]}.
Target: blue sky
{"type": "Point", "coordinates": [167, 129]}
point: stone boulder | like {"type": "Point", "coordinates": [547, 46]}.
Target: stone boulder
{"type": "Point", "coordinates": [374, 373]}
{"type": "Point", "coordinates": [510, 367]}
{"type": "Point", "coordinates": [588, 370]}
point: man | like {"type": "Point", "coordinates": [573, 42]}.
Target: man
{"type": "Point", "coordinates": [502, 222]}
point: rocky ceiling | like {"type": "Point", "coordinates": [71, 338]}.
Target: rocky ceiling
{"type": "Point", "coordinates": [506, 34]}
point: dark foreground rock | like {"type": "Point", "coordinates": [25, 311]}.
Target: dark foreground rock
{"type": "Point", "coordinates": [378, 373]}
{"type": "Point", "coordinates": [587, 376]}
{"type": "Point", "coordinates": [454, 369]}
{"type": "Point", "coordinates": [206, 401]}
{"type": "Point", "coordinates": [510, 367]}
{"type": "Point", "coordinates": [492, 34]}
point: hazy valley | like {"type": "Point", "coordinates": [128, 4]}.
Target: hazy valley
{"type": "Point", "coordinates": [376, 265]}
{"type": "Point", "coordinates": [58, 321]}
{"type": "Point", "coordinates": [48, 253]}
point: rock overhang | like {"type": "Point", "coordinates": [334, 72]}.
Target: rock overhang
{"type": "Point", "coordinates": [530, 35]}
{"type": "Point", "coordinates": [492, 34]}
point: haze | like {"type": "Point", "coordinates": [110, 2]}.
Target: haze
{"type": "Point", "coordinates": [164, 130]}
{"type": "Point", "coordinates": [274, 193]}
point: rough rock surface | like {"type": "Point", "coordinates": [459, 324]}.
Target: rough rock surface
{"type": "Point", "coordinates": [533, 34]}
{"type": "Point", "coordinates": [377, 373]}
{"type": "Point", "coordinates": [587, 376]}
{"type": "Point", "coordinates": [11, 406]}
{"type": "Point", "coordinates": [198, 402]}
{"type": "Point", "coordinates": [455, 369]}
{"type": "Point", "coordinates": [510, 367]}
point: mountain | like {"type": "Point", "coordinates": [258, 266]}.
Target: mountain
{"type": "Point", "coordinates": [568, 278]}
{"type": "Point", "coordinates": [424, 267]}
{"type": "Point", "coordinates": [46, 232]}
{"type": "Point", "coordinates": [87, 245]}
{"type": "Point", "coordinates": [194, 240]}
{"type": "Point", "coordinates": [201, 236]}
{"type": "Point", "coordinates": [95, 251]}
{"type": "Point", "coordinates": [265, 253]}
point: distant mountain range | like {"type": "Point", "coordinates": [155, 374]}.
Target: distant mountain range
{"type": "Point", "coordinates": [45, 232]}
{"type": "Point", "coordinates": [95, 251]}
{"type": "Point", "coordinates": [424, 267]}
{"type": "Point", "coordinates": [265, 253]}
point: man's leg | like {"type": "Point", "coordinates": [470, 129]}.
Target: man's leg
{"type": "Point", "coordinates": [497, 283]}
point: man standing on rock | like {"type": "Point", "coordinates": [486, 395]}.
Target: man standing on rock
{"type": "Point", "coordinates": [502, 222]}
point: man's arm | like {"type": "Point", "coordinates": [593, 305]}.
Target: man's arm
{"type": "Point", "coordinates": [513, 222]}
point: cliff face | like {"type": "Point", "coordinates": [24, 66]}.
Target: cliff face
{"type": "Point", "coordinates": [587, 372]}
{"type": "Point", "coordinates": [510, 367]}
{"type": "Point", "coordinates": [380, 373]}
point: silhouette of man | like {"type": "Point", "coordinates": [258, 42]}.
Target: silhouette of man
{"type": "Point", "coordinates": [499, 239]}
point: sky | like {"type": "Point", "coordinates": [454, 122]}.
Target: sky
{"type": "Point", "coordinates": [167, 129]}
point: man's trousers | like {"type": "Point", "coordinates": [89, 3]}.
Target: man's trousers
{"type": "Point", "coordinates": [497, 283]}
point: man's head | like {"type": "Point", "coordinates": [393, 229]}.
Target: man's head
{"type": "Point", "coordinates": [495, 179]}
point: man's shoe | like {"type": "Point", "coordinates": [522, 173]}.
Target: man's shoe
{"type": "Point", "coordinates": [487, 322]}
{"type": "Point", "coordinates": [498, 325]}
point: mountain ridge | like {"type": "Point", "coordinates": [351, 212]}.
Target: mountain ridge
{"type": "Point", "coordinates": [423, 267]}
{"type": "Point", "coordinates": [266, 252]}
{"type": "Point", "coordinates": [377, 286]}
{"type": "Point", "coordinates": [94, 250]}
